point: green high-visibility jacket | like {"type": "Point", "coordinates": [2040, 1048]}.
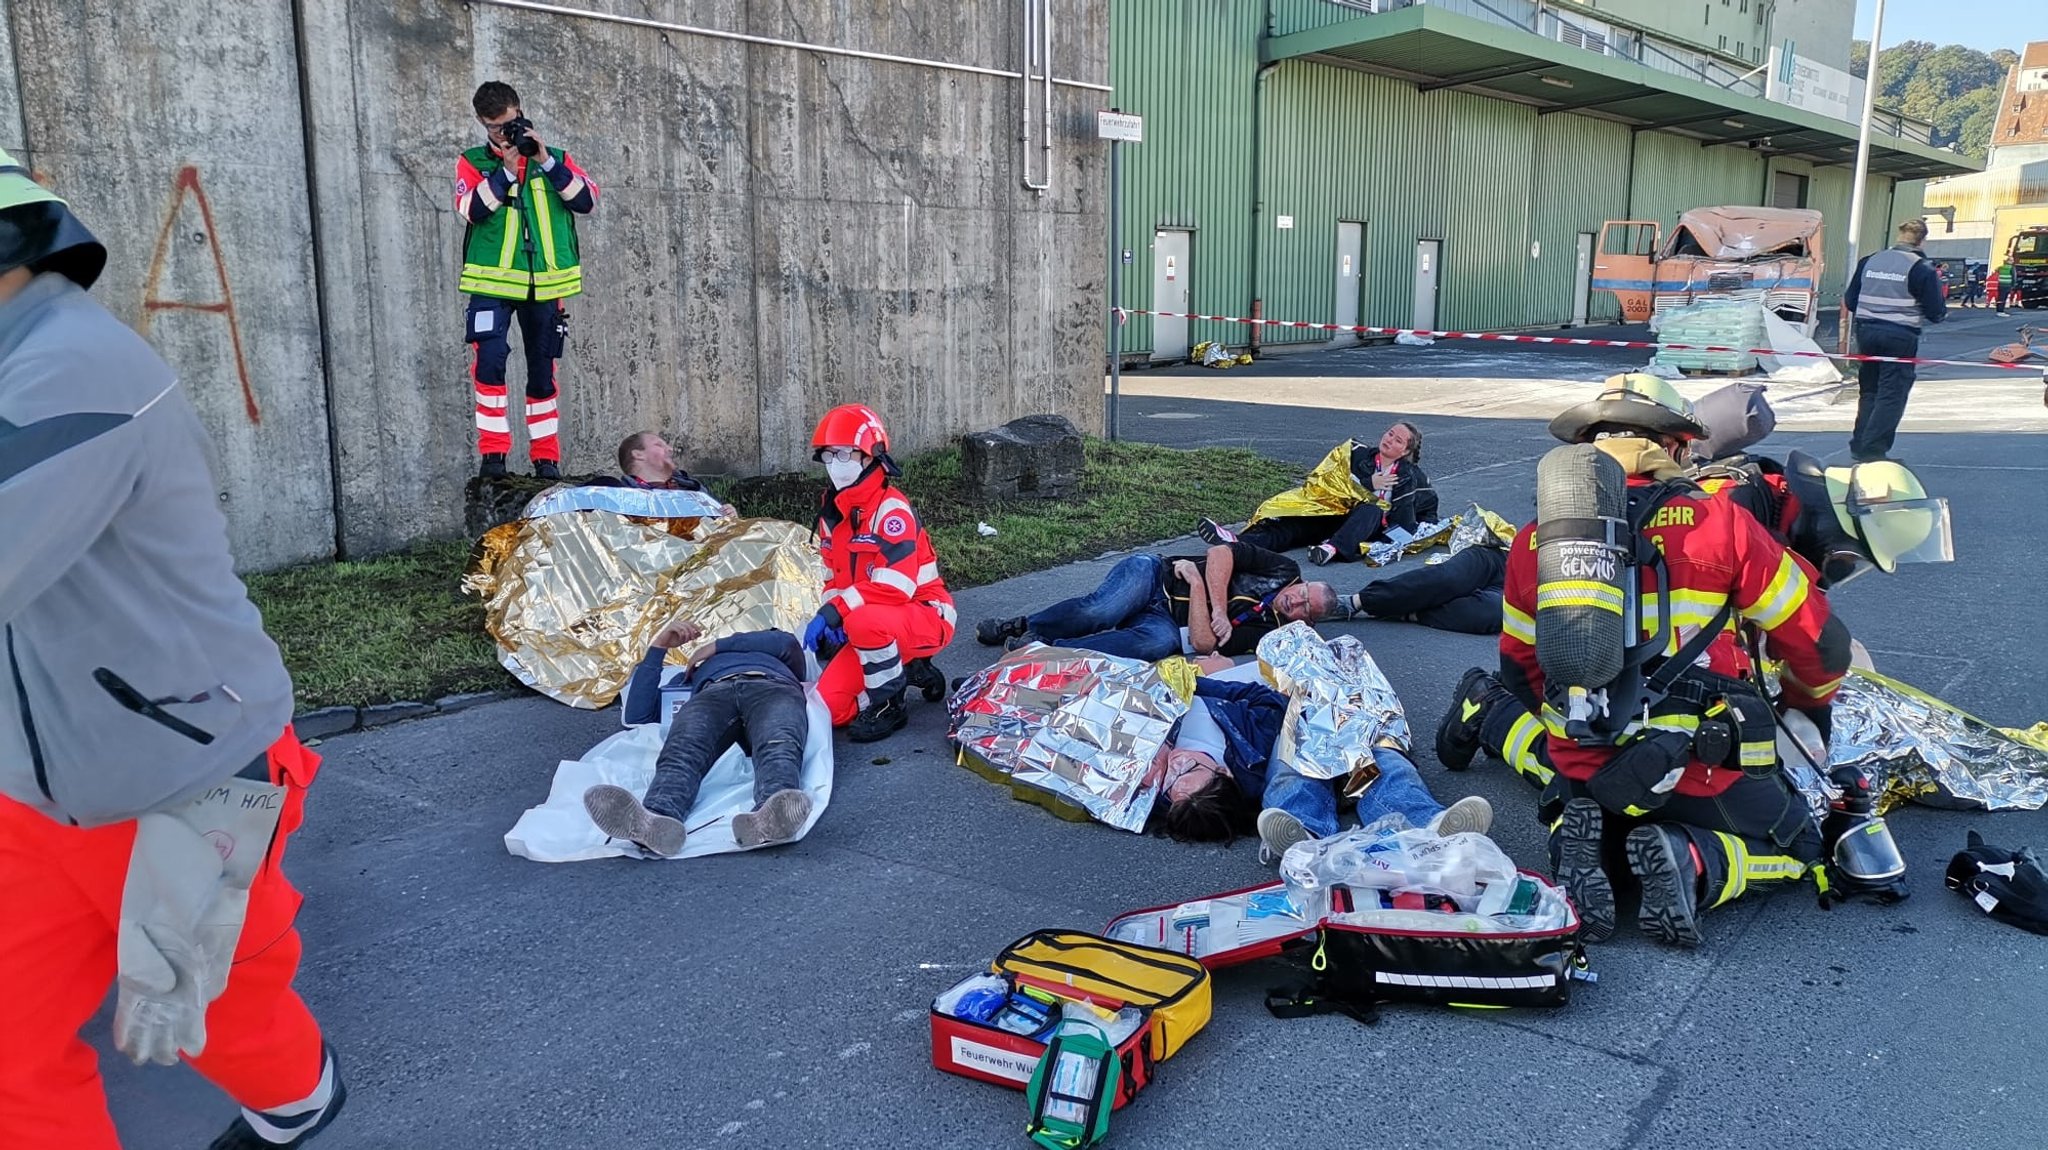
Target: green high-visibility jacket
{"type": "Point", "coordinates": [526, 249]}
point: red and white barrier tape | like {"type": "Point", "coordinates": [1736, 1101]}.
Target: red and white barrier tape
{"type": "Point", "coordinates": [1124, 314]}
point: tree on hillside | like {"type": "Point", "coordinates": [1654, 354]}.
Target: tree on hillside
{"type": "Point", "coordinates": [1952, 87]}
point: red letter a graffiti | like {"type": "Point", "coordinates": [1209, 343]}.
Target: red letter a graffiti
{"type": "Point", "coordinates": [188, 183]}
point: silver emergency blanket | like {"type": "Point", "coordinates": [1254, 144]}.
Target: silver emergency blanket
{"type": "Point", "coordinates": [1339, 705]}
{"type": "Point", "coordinates": [1077, 724]}
{"type": "Point", "coordinates": [1473, 525]}
{"type": "Point", "coordinates": [1919, 749]}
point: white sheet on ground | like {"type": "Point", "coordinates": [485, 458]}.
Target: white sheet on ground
{"type": "Point", "coordinates": [1783, 336]}
{"type": "Point", "coordinates": [559, 830]}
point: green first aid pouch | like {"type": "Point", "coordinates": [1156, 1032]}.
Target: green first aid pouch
{"type": "Point", "coordinates": [1072, 1090]}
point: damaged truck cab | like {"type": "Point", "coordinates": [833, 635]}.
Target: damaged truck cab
{"type": "Point", "coordinates": [1769, 255]}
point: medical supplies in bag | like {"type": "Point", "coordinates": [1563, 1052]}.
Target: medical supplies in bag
{"type": "Point", "coordinates": [1069, 1094]}
{"type": "Point", "coordinates": [1388, 914]}
{"type": "Point", "coordinates": [996, 1026]}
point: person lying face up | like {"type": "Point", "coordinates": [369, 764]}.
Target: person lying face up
{"type": "Point", "coordinates": [1218, 776]}
{"type": "Point", "coordinates": [746, 690]}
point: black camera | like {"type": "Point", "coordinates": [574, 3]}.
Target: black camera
{"type": "Point", "coordinates": [516, 132]}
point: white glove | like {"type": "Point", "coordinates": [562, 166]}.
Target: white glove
{"type": "Point", "coordinates": [181, 914]}
{"type": "Point", "coordinates": [165, 962]}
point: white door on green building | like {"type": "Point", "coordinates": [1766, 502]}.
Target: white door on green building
{"type": "Point", "coordinates": [1582, 280]}
{"type": "Point", "coordinates": [1170, 292]}
{"type": "Point", "coordinates": [1350, 275]}
{"type": "Point", "coordinates": [1428, 258]}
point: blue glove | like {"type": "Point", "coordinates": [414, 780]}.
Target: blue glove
{"type": "Point", "coordinates": [826, 628]}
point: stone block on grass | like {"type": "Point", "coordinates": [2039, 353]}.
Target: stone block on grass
{"type": "Point", "coordinates": [1035, 457]}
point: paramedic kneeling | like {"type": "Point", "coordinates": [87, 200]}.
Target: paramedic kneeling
{"type": "Point", "coordinates": [745, 689]}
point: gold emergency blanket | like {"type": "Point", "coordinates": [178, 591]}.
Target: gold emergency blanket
{"type": "Point", "coordinates": [1339, 705]}
{"type": "Point", "coordinates": [575, 593]}
{"type": "Point", "coordinates": [1330, 489]}
{"type": "Point", "coordinates": [1919, 749]}
{"type": "Point", "coordinates": [1079, 726]}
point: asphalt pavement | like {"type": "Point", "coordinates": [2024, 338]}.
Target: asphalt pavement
{"type": "Point", "coordinates": [779, 998]}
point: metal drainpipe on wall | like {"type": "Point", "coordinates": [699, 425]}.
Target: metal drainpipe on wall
{"type": "Point", "coordinates": [1037, 53]}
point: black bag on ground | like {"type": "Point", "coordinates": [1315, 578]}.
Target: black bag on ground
{"type": "Point", "coordinates": [2010, 886]}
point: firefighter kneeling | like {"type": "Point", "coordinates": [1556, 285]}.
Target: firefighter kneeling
{"type": "Point", "coordinates": [886, 610]}
{"type": "Point", "coordinates": [1626, 643]}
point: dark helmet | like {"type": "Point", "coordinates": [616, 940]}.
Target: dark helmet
{"type": "Point", "coordinates": [37, 230]}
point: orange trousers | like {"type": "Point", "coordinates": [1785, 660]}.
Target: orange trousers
{"type": "Point", "coordinates": [917, 630]}
{"type": "Point", "coordinates": [60, 903]}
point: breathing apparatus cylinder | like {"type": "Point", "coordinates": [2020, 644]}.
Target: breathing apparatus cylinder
{"type": "Point", "coordinates": [1586, 598]}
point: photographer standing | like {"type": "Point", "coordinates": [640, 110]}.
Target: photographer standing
{"type": "Point", "coordinates": [519, 260]}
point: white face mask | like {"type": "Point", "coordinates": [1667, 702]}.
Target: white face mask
{"type": "Point", "coordinates": [844, 474]}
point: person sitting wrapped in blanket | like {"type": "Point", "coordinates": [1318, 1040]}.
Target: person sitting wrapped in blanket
{"type": "Point", "coordinates": [1218, 775]}
{"type": "Point", "coordinates": [746, 689]}
{"type": "Point", "coordinates": [1350, 501]}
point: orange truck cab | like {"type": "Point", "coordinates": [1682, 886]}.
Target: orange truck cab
{"type": "Point", "coordinates": [1770, 255]}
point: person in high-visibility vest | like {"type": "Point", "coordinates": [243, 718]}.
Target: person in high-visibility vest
{"type": "Point", "coordinates": [149, 778]}
{"type": "Point", "coordinates": [519, 262]}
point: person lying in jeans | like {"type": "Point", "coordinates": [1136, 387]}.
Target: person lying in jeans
{"type": "Point", "coordinates": [1217, 774]}
{"type": "Point", "coordinates": [745, 689]}
{"type": "Point", "coordinates": [1152, 606]}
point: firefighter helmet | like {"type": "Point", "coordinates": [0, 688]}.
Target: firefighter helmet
{"type": "Point", "coordinates": [1636, 400]}
{"type": "Point", "coordinates": [1882, 509]}
{"type": "Point", "coordinates": [851, 425]}
{"type": "Point", "coordinates": [37, 229]}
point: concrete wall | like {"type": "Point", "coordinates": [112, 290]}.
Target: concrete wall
{"type": "Point", "coordinates": [777, 231]}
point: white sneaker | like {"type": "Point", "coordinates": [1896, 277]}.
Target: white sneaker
{"type": "Point", "coordinates": [1278, 830]}
{"type": "Point", "coordinates": [1469, 815]}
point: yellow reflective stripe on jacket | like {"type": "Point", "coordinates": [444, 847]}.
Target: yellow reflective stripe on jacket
{"type": "Point", "coordinates": [1736, 852]}
{"type": "Point", "coordinates": [544, 223]}
{"type": "Point", "coordinates": [1784, 594]}
{"type": "Point", "coordinates": [1693, 609]}
{"type": "Point", "coordinates": [1579, 593]}
{"type": "Point", "coordinates": [1519, 749]}
{"type": "Point", "coordinates": [1517, 625]}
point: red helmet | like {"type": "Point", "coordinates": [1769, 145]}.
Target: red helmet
{"type": "Point", "coordinates": [851, 425]}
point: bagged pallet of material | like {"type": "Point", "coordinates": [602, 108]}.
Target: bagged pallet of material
{"type": "Point", "coordinates": [1737, 325]}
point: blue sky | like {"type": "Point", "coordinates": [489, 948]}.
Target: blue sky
{"type": "Point", "coordinates": [1980, 24]}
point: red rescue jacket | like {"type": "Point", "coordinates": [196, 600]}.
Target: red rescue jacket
{"type": "Point", "coordinates": [875, 550]}
{"type": "Point", "coordinates": [1713, 552]}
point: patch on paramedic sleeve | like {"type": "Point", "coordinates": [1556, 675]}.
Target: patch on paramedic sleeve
{"type": "Point", "coordinates": [895, 525]}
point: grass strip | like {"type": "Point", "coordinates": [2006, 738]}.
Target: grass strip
{"type": "Point", "coordinates": [397, 628]}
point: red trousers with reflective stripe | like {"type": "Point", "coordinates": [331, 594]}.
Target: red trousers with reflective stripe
{"type": "Point", "coordinates": [60, 901]}
{"type": "Point", "coordinates": [917, 629]}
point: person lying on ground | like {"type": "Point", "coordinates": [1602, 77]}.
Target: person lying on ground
{"type": "Point", "coordinates": [1218, 776]}
{"type": "Point", "coordinates": [1460, 594]}
{"type": "Point", "coordinates": [746, 689]}
{"type": "Point", "coordinates": [1351, 500]}
{"type": "Point", "coordinates": [1151, 606]}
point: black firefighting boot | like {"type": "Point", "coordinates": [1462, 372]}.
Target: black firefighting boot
{"type": "Point", "coordinates": [1575, 861]}
{"type": "Point", "coordinates": [1457, 733]}
{"type": "Point", "coordinates": [546, 469]}
{"type": "Point", "coordinates": [491, 466]}
{"type": "Point", "coordinates": [1662, 858]}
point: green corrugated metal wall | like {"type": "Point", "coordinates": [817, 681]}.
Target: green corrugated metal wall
{"type": "Point", "coordinates": [1291, 16]}
{"type": "Point", "coordinates": [1580, 182]}
{"type": "Point", "coordinates": [1188, 67]}
{"type": "Point", "coordinates": [1827, 191]}
{"type": "Point", "coordinates": [1674, 174]}
{"type": "Point", "coordinates": [1344, 145]}
{"type": "Point", "coordinates": [1487, 177]}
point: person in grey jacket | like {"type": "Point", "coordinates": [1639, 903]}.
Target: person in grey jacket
{"type": "Point", "coordinates": [148, 773]}
{"type": "Point", "coordinates": [1892, 295]}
